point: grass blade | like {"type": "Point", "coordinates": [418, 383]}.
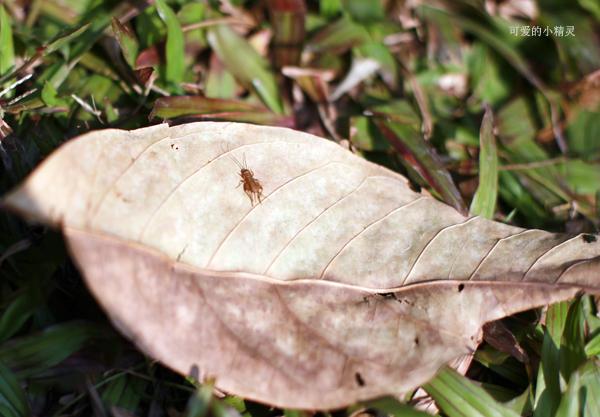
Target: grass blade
{"type": "Point", "coordinates": [547, 395]}
{"type": "Point", "coordinates": [339, 37]}
{"type": "Point", "coordinates": [484, 202]}
{"type": "Point", "coordinates": [170, 107]}
{"type": "Point", "coordinates": [365, 136]}
{"type": "Point", "coordinates": [210, 108]}
{"type": "Point", "coordinates": [7, 49]}
{"type": "Point", "coordinates": [63, 39]}
{"type": "Point", "coordinates": [127, 40]}
{"type": "Point", "coordinates": [592, 348]}
{"type": "Point", "coordinates": [201, 402]}
{"type": "Point", "coordinates": [59, 41]}
{"type": "Point", "coordinates": [34, 353]}
{"type": "Point", "coordinates": [522, 404]}
{"type": "Point", "coordinates": [19, 312]}
{"type": "Point", "coordinates": [572, 353]}
{"type": "Point", "coordinates": [459, 397]}
{"type": "Point", "coordinates": [12, 398]}
{"type": "Point", "coordinates": [423, 157]}
{"type": "Point", "coordinates": [220, 83]}
{"type": "Point", "coordinates": [393, 407]}
{"type": "Point", "coordinates": [175, 44]}
{"type": "Point", "coordinates": [246, 64]}
{"type": "Point", "coordinates": [583, 393]}
{"type": "Point", "coordinates": [50, 96]}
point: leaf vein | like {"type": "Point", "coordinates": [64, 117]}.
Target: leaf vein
{"type": "Point", "coordinates": [431, 240]}
{"type": "Point", "coordinates": [264, 199]}
{"type": "Point", "coordinates": [363, 230]}
{"type": "Point", "coordinates": [311, 222]}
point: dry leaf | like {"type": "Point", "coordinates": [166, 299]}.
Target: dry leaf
{"type": "Point", "coordinates": [343, 285]}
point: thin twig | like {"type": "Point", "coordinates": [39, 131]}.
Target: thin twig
{"type": "Point", "coordinates": [146, 92]}
{"type": "Point", "coordinates": [97, 111]}
{"type": "Point", "coordinates": [86, 106]}
{"type": "Point", "coordinates": [16, 83]}
{"type": "Point", "coordinates": [160, 91]}
{"type": "Point", "coordinates": [21, 96]}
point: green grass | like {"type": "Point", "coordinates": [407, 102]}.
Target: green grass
{"type": "Point", "coordinates": [99, 64]}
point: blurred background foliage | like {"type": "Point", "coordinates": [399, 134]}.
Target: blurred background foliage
{"type": "Point", "coordinates": [449, 93]}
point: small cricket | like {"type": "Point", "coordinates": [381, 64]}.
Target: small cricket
{"type": "Point", "coordinates": [252, 187]}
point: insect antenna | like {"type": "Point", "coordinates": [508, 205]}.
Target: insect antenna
{"type": "Point", "coordinates": [236, 161]}
{"type": "Point", "coordinates": [233, 157]}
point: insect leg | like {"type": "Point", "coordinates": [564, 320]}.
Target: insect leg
{"type": "Point", "coordinates": [249, 193]}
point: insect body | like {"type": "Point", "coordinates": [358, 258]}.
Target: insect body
{"type": "Point", "coordinates": [251, 185]}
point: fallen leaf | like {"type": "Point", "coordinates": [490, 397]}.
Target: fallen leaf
{"type": "Point", "coordinates": [342, 286]}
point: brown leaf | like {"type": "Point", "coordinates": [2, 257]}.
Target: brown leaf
{"type": "Point", "coordinates": [142, 75]}
{"type": "Point", "coordinates": [500, 337]}
{"type": "Point", "coordinates": [298, 344]}
{"type": "Point", "coordinates": [151, 57]}
{"type": "Point", "coordinates": [343, 285]}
